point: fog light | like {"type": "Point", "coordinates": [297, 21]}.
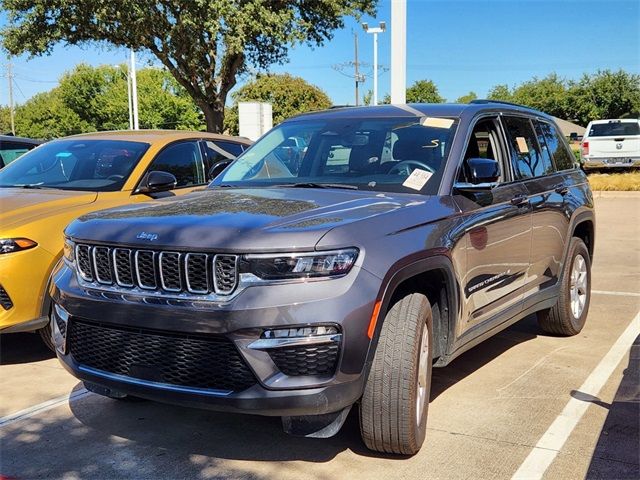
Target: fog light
{"type": "Point", "coordinates": [300, 332]}
{"type": "Point", "coordinates": [292, 337]}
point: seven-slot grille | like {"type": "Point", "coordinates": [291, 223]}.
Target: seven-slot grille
{"type": "Point", "coordinates": [177, 272]}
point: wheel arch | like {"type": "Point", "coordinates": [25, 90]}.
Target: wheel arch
{"type": "Point", "coordinates": [432, 276]}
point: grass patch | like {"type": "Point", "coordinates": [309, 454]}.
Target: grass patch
{"type": "Point", "coordinates": [621, 182]}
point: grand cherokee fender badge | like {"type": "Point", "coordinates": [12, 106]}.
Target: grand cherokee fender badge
{"type": "Point", "coordinates": [147, 236]}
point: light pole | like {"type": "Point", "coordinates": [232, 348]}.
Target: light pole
{"type": "Point", "coordinates": [398, 51]}
{"type": "Point", "coordinates": [375, 31]}
{"type": "Point", "coordinates": [134, 89]}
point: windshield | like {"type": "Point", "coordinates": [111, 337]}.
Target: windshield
{"type": "Point", "coordinates": [93, 165]}
{"type": "Point", "coordinates": [614, 129]}
{"type": "Point", "coordinates": [385, 154]}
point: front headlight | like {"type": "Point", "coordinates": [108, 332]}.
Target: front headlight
{"type": "Point", "coordinates": [10, 245]}
{"type": "Point", "coordinates": [68, 252]}
{"type": "Point", "coordinates": [299, 265]}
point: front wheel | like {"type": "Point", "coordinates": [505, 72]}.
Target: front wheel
{"type": "Point", "coordinates": [47, 336]}
{"type": "Point", "coordinates": [393, 409]}
{"type": "Point", "coordinates": [569, 314]}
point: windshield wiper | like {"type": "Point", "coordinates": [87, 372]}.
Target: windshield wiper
{"type": "Point", "coordinates": [345, 186]}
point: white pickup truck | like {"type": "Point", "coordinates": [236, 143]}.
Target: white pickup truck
{"type": "Point", "coordinates": [611, 144]}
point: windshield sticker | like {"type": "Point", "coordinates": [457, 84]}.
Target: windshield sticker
{"type": "Point", "coordinates": [522, 145]}
{"type": "Point", "coordinates": [417, 179]}
{"type": "Point", "coordinates": [436, 122]}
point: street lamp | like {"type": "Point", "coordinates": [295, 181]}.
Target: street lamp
{"type": "Point", "coordinates": [375, 31]}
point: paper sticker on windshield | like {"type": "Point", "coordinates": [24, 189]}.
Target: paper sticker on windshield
{"type": "Point", "coordinates": [417, 179]}
{"type": "Point", "coordinates": [436, 122]}
{"type": "Point", "coordinates": [522, 145]}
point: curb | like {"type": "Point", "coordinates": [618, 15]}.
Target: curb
{"type": "Point", "coordinates": [615, 194]}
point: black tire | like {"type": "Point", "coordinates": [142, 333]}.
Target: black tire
{"type": "Point", "coordinates": [560, 319]}
{"type": "Point", "coordinates": [388, 411]}
{"type": "Point", "coordinates": [47, 336]}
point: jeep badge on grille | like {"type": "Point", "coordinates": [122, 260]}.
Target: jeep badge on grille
{"type": "Point", "coordinates": [147, 236]}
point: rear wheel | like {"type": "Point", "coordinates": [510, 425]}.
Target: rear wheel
{"type": "Point", "coordinates": [568, 315]}
{"type": "Point", "coordinates": [393, 409]}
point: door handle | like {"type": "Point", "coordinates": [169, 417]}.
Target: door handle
{"type": "Point", "coordinates": [561, 189]}
{"type": "Point", "coordinates": [519, 200]}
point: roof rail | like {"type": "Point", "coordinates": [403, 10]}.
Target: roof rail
{"type": "Point", "coordinates": [485, 101]}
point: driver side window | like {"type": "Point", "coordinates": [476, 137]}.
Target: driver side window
{"type": "Point", "coordinates": [483, 143]}
{"type": "Point", "coordinates": [184, 161]}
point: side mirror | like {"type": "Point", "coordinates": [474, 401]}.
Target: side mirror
{"type": "Point", "coordinates": [217, 169]}
{"type": "Point", "coordinates": [157, 181]}
{"type": "Point", "coordinates": [483, 175]}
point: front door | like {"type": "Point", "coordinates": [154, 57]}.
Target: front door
{"type": "Point", "coordinates": [497, 237]}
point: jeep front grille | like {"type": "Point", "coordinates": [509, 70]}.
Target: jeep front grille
{"type": "Point", "coordinates": [162, 271]}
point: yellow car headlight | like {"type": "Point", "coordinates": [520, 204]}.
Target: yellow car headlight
{"type": "Point", "coordinates": [10, 245]}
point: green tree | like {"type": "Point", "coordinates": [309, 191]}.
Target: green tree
{"type": "Point", "coordinates": [367, 98]}
{"type": "Point", "coordinates": [548, 94]}
{"type": "Point", "coordinates": [204, 44]}
{"type": "Point", "coordinates": [46, 116]}
{"type": "Point", "coordinates": [5, 119]}
{"type": "Point", "coordinates": [468, 98]}
{"type": "Point", "coordinates": [287, 94]}
{"type": "Point", "coordinates": [605, 94]}
{"type": "Point", "coordinates": [424, 91]}
{"type": "Point", "coordinates": [500, 92]}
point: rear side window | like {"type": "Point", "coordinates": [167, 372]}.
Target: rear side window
{"type": "Point", "coordinates": [527, 156]}
{"type": "Point", "coordinates": [184, 161]}
{"type": "Point", "coordinates": [556, 146]}
{"type": "Point", "coordinates": [9, 151]}
{"type": "Point", "coordinates": [614, 129]}
{"type": "Point", "coordinates": [233, 148]}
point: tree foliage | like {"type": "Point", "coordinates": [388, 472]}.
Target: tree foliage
{"type": "Point", "coordinates": [95, 98]}
{"type": "Point", "coordinates": [468, 98]}
{"type": "Point", "coordinates": [424, 91]}
{"type": "Point", "coordinates": [204, 44]}
{"type": "Point", "coordinates": [287, 94]}
{"type": "Point", "coordinates": [605, 94]}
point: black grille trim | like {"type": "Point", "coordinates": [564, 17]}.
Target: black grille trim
{"type": "Point", "coordinates": [5, 299]}
{"type": "Point", "coordinates": [190, 361]}
{"type": "Point", "coordinates": [181, 273]}
{"type": "Point", "coordinates": [307, 359]}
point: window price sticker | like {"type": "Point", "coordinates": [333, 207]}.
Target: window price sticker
{"type": "Point", "coordinates": [417, 179]}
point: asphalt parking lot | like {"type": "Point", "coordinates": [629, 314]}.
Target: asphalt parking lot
{"type": "Point", "coordinates": [522, 403]}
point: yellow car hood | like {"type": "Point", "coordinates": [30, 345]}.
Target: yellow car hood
{"type": "Point", "coordinates": [18, 205]}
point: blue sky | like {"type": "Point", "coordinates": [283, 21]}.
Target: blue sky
{"type": "Point", "coordinates": [460, 45]}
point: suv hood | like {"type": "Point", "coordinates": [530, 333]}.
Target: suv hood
{"type": "Point", "coordinates": [19, 205]}
{"type": "Point", "coordinates": [267, 219]}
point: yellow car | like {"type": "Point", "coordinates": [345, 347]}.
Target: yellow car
{"type": "Point", "coordinates": [41, 192]}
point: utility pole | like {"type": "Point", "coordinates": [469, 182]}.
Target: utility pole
{"type": "Point", "coordinates": [357, 72]}
{"type": "Point", "coordinates": [12, 112]}
{"type": "Point", "coordinates": [134, 90]}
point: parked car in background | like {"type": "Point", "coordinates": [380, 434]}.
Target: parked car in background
{"type": "Point", "coordinates": [611, 144]}
{"type": "Point", "coordinates": [13, 147]}
{"type": "Point", "coordinates": [41, 192]}
{"type": "Point", "coordinates": [403, 239]}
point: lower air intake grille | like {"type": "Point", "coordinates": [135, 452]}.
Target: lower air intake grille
{"type": "Point", "coordinates": [5, 300]}
{"type": "Point", "coordinates": [197, 362]}
{"type": "Point", "coordinates": [306, 360]}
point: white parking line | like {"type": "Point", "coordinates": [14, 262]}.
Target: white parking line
{"type": "Point", "coordinates": [620, 294]}
{"type": "Point", "coordinates": [42, 407]}
{"type": "Point", "coordinates": [545, 451]}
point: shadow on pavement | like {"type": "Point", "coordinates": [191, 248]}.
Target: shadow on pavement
{"type": "Point", "coordinates": [16, 348]}
{"type": "Point", "coordinates": [617, 453]}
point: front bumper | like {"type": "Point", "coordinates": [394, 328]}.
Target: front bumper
{"type": "Point", "coordinates": [23, 279]}
{"type": "Point", "coordinates": [345, 303]}
{"type": "Point", "coordinates": [611, 163]}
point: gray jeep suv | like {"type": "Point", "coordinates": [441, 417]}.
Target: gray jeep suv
{"type": "Point", "coordinates": [403, 236]}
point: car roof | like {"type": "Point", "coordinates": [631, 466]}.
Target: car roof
{"type": "Point", "coordinates": [11, 138]}
{"type": "Point", "coordinates": [419, 110]}
{"type": "Point", "coordinates": [614, 120]}
{"type": "Point", "coordinates": [153, 136]}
